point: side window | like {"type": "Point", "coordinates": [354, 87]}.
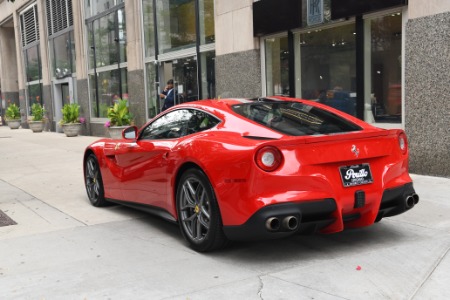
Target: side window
{"type": "Point", "coordinates": [179, 123]}
{"type": "Point", "coordinates": [201, 121]}
{"type": "Point", "coordinates": [169, 126]}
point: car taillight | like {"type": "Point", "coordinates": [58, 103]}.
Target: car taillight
{"type": "Point", "coordinates": [403, 142]}
{"type": "Point", "coordinates": [268, 158]}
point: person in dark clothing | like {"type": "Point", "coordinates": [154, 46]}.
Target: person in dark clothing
{"type": "Point", "coordinates": [168, 95]}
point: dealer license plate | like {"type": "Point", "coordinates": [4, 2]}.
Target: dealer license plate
{"type": "Point", "coordinates": [356, 175]}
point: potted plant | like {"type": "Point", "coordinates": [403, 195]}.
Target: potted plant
{"type": "Point", "coordinates": [12, 115]}
{"type": "Point", "coordinates": [71, 122]}
{"type": "Point", "coordinates": [119, 118]}
{"type": "Point", "coordinates": [36, 122]}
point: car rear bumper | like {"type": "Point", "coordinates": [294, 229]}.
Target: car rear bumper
{"type": "Point", "coordinates": [281, 220]}
{"type": "Point", "coordinates": [395, 202]}
{"type": "Point", "coordinates": [285, 219]}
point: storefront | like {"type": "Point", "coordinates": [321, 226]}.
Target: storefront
{"type": "Point", "coordinates": [179, 45]}
{"type": "Point", "coordinates": [344, 53]}
{"type": "Point", "coordinates": [383, 61]}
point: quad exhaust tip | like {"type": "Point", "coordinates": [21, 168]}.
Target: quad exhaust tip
{"type": "Point", "coordinates": [411, 200]}
{"type": "Point", "coordinates": [273, 224]}
{"type": "Point", "coordinates": [289, 223]}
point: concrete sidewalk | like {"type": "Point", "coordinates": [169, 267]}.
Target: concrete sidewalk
{"type": "Point", "coordinates": [63, 248]}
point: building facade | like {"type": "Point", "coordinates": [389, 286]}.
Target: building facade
{"type": "Point", "coordinates": [382, 61]}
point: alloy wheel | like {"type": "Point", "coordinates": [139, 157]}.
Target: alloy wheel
{"type": "Point", "coordinates": [195, 209]}
{"type": "Point", "coordinates": [93, 182]}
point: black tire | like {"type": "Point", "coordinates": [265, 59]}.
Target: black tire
{"type": "Point", "coordinates": [93, 182]}
{"type": "Point", "coordinates": [198, 213]}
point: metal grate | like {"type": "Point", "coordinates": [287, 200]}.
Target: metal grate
{"type": "Point", "coordinates": [29, 25]}
{"type": "Point", "coordinates": [59, 15]}
{"type": "Point", "coordinates": [5, 220]}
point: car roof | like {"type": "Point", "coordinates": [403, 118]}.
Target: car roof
{"type": "Point", "coordinates": [222, 108]}
{"type": "Point", "coordinates": [226, 104]}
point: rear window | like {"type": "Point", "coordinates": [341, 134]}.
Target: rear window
{"type": "Point", "coordinates": [295, 119]}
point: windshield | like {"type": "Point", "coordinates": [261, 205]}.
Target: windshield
{"type": "Point", "coordinates": [295, 119]}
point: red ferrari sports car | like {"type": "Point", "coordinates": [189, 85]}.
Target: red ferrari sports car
{"type": "Point", "coordinates": [241, 169]}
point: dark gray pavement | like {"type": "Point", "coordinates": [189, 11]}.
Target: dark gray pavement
{"type": "Point", "coordinates": [63, 248]}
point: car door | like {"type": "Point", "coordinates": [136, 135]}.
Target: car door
{"type": "Point", "coordinates": [144, 165]}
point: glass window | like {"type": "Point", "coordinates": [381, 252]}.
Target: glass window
{"type": "Point", "coordinates": [109, 91]}
{"type": "Point", "coordinates": [63, 55]}
{"type": "Point", "coordinates": [104, 41]}
{"type": "Point", "coordinates": [295, 119]}
{"type": "Point", "coordinates": [107, 41]}
{"type": "Point", "coordinates": [32, 61]}
{"type": "Point", "coordinates": [179, 123]}
{"type": "Point", "coordinates": [277, 66]}
{"type": "Point", "coordinates": [208, 75]}
{"type": "Point", "coordinates": [328, 67]}
{"type": "Point", "coordinates": [154, 102]}
{"type": "Point", "coordinates": [386, 65]}
{"type": "Point", "coordinates": [122, 35]}
{"type": "Point", "coordinates": [171, 125]}
{"type": "Point", "coordinates": [95, 7]}
{"type": "Point", "coordinates": [206, 13]}
{"type": "Point", "coordinates": [149, 28]}
{"type": "Point", "coordinates": [34, 95]}
{"type": "Point", "coordinates": [176, 24]}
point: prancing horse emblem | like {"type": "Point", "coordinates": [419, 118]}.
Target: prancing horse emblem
{"type": "Point", "coordinates": [355, 150]}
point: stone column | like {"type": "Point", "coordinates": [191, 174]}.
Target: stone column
{"type": "Point", "coordinates": [136, 81]}
{"type": "Point", "coordinates": [82, 54]}
{"type": "Point", "coordinates": [47, 99]}
{"type": "Point", "coordinates": [8, 68]}
{"type": "Point", "coordinates": [238, 58]}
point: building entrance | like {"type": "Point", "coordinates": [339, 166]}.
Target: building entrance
{"type": "Point", "coordinates": [183, 71]}
{"type": "Point", "coordinates": [62, 92]}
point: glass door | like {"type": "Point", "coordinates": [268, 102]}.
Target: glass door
{"type": "Point", "coordinates": [183, 72]}
{"type": "Point", "coordinates": [185, 79]}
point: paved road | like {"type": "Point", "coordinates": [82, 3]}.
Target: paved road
{"type": "Point", "coordinates": [63, 248]}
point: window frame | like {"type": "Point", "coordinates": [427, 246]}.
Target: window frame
{"type": "Point", "coordinates": [183, 124]}
{"type": "Point", "coordinates": [93, 70]}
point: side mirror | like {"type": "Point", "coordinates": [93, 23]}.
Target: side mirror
{"type": "Point", "coordinates": [130, 133]}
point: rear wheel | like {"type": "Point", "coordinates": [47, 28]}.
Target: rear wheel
{"type": "Point", "coordinates": [93, 182]}
{"type": "Point", "coordinates": [198, 213]}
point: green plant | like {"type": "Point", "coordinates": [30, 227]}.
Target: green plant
{"type": "Point", "coordinates": [37, 111]}
{"type": "Point", "coordinates": [70, 113]}
{"type": "Point", "coordinates": [118, 114]}
{"type": "Point", "coordinates": [12, 112]}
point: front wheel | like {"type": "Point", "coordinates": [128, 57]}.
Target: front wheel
{"type": "Point", "coordinates": [198, 212]}
{"type": "Point", "coordinates": [93, 182]}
